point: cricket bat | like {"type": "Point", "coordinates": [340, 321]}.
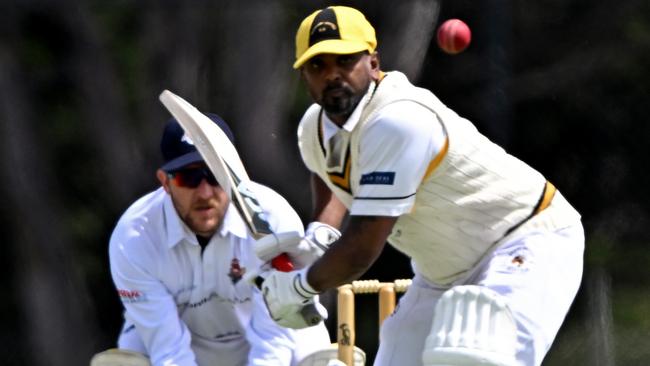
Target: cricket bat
{"type": "Point", "coordinates": [222, 159]}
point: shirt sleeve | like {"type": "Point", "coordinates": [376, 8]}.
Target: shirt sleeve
{"type": "Point", "coordinates": [271, 344]}
{"type": "Point", "coordinates": [148, 304]}
{"type": "Point", "coordinates": [394, 153]}
{"type": "Point", "coordinates": [280, 215]}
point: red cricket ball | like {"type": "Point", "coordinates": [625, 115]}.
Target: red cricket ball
{"type": "Point", "coordinates": [453, 36]}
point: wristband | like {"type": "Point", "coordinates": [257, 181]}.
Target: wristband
{"type": "Point", "coordinates": [302, 287]}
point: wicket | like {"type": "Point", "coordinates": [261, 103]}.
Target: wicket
{"type": "Point", "coordinates": [345, 333]}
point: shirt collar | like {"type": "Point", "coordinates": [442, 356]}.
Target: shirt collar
{"type": "Point", "coordinates": [178, 231]}
{"type": "Point", "coordinates": [353, 120]}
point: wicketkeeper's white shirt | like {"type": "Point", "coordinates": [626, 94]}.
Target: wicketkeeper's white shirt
{"type": "Point", "coordinates": [187, 306]}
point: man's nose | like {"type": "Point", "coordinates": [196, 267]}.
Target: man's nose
{"type": "Point", "coordinates": [332, 73]}
{"type": "Point", "coordinates": [204, 189]}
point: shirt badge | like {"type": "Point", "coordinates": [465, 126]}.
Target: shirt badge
{"type": "Point", "coordinates": [236, 271]}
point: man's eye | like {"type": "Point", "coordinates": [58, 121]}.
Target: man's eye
{"type": "Point", "coordinates": [315, 64]}
{"type": "Point", "coordinates": [343, 60]}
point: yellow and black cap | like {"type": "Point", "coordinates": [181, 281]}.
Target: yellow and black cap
{"type": "Point", "coordinates": [336, 29]}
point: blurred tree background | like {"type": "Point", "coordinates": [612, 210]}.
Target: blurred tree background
{"type": "Point", "coordinates": [561, 84]}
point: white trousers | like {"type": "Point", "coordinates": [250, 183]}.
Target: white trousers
{"type": "Point", "coordinates": [538, 273]}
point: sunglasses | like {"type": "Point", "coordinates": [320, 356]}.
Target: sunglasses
{"type": "Point", "coordinates": [191, 178]}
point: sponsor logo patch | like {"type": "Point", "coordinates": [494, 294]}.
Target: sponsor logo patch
{"type": "Point", "coordinates": [131, 296]}
{"type": "Point", "coordinates": [187, 139]}
{"type": "Point", "coordinates": [386, 178]}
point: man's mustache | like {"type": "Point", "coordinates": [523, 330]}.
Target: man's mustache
{"type": "Point", "coordinates": [337, 87]}
{"type": "Point", "coordinates": [204, 204]}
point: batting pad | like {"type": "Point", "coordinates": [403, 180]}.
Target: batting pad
{"type": "Point", "coordinates": [329, 357]}
{"type": "Point", "coordinates": [119, 357]}
{"type": "Point", "coordinates": [472, 325]}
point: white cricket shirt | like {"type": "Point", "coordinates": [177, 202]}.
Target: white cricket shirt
{"type": "Point", "coordinates": [185, 306]}
{"type": "Point", "coordinates": [403, 153]}
{"type": "Point", "coordinates": [414, 135]}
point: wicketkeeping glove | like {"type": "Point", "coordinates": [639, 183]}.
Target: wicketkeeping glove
{"type": "Point", "coordinates": [302, 250]}
{"type": "Point", "coordinates": [291, 301]}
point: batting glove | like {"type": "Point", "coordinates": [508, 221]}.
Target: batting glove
{"type": "Point", "coordinates": [302, 250]}
{"type": "Point", "coordinates": [291, 301]}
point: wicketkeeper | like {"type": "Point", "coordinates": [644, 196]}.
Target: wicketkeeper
{"type": "Point", "coordinates": [178, 256]}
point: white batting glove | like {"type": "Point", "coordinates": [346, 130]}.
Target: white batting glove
{"type": "Point", "coordinates": [291, 301]}
{"type": "Point", "coordinates": [302, 250]}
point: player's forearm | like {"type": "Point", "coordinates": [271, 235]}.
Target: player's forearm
{"type": "Point", "coordinates": [327, 208]}
{"type": "Point", "coordinates": [352, 255]}
{"type": "Point", "coordinates": [332, 271]}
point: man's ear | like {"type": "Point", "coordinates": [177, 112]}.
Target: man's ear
{"type": "Point", "coordinates": [375, 67]}
{"type": "Point", "coordinates": [163, 179]}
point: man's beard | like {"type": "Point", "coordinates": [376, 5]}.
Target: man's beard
{"type": "Point", "coordinates": [197, 226]}
{"type": "Point", "coordinates": [340, 105]}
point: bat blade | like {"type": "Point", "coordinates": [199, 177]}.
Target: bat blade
{"type": "Point", "coordinates": [222, 158]}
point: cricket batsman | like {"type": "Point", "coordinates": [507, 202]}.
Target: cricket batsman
{"type": "Point", "coordinates": [496, 249]}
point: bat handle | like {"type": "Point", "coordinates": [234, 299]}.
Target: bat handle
{"type": "Point", "coordinates": [311, 315]}
{"type": "Point", "coordinates": [282, 263]}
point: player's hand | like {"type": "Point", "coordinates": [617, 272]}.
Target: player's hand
{"type": "Point", "coordinates": [302, 250]}
{"type": "Point", "coordinates": [291, 301]}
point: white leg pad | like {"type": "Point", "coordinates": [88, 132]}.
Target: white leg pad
{"type": "Point", "coordinates": [329, 357]}
{"type": "Point", "coordinates": [472, 325]}
{"type": "Point", "coordinates": [119, 357]}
